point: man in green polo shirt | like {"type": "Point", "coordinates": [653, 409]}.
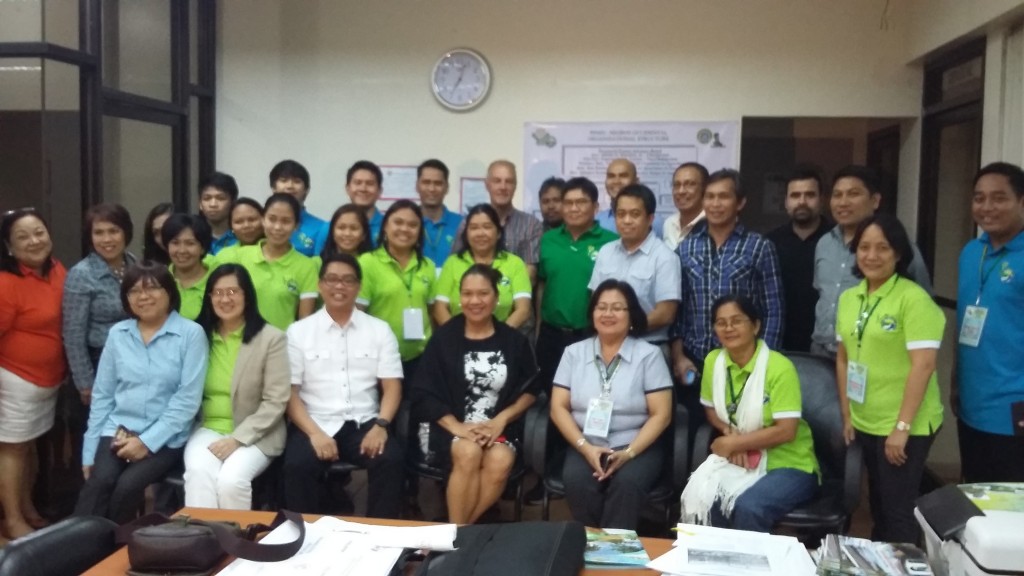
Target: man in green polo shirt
{"type": "Point", "coordinates": [567, 256]}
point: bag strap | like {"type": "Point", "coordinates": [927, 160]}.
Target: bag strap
{"type": "Point", "coordinates": [239, 546]}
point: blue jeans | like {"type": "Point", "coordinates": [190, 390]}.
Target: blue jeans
{"type": "Point", "coordinates": [769, 499]}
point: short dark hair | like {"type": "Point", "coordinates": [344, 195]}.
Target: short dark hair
{"type": "Point", "coordinates": [745, 303]}
{"type": "Point", "coordinates": [431, 163]}
{"type": "Point", "coordinates": [221, 181]}
{"type": "Point", "coordinates": [405, 203]}
{"type": "Point", "coordinates": [582, 184]}
{"type": "Point", "coordinates": [552, 182]}
{"type": "Point", "coordinates": [246, 201]}
{"type": "Point", "coordinates": [8, 263]}
{"type": "Point", "coordinates": [704, 175]}
{"type": "Point", "coordinates": [254, 322]}
{"type": "Point", "coordinates": [867, 175]}
{"type": "Point", "coordinates": [368, 166]}
{"type": "Point", "coordinates": [281, 197]}
{"type": "Point", "coordinates": [150, 249]}
{"type": "Point", "coordinates": [365, 246]}
{"type": "Point", "coordinates": [806, 172]}
{"type": "Point", "coordinates": [149, 273]}
{"type": "Point", "coordinates": [638, 191]}
{"type": "Point", "coordinates": [177, 223]}
{"type": "Point", "coordinates": [341, 258]}
{"type": "Point", "coordinates": [289, 169]}
{"type": "Point", "coordinates": [485, 271]}
{"type": "Point", "coordinates": [113, 213]}
{"type": "Point", "coordinates": [727, 174]}
{"type": "Point", "coordinates": [492, 215]}
{"type": "Point", "coordinates": [637, 317]}
{"type": "Point", "coordinates": [895, 234]}
{"type": "Point", "coordinates": [1012, 172]}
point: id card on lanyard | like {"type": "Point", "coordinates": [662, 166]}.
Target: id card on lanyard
{"type": "Point", "coordinates": [412, 317]}
{"type": "Point", "coordinates": [975, 315]}
{"type": "Point", "coordinates": [856, 372]}
{"type": "Point", "coordinates": [599, 411]}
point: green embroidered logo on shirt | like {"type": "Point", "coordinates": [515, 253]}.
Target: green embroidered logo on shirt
{"type": "Point", "coordinates": [1006, 273]}
{"type": "Point", "coordinates": [889, 323]}
{"type": "Point", "coordinates": [293, 286]}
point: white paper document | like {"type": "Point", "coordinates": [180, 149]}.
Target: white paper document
{"type": "Point", "coordinates": [436, 537]}
{"type": "Point", "coordinates": [706, 551]}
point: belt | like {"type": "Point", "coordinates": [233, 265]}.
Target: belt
{"type": "Point", "coordinates": [571, 331]}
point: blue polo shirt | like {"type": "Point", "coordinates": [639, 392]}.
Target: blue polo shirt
{"type": "Point", "coordinates": [311, 235]}
{"type": "Point", "coordinates": [226, 239]}
{"type": "Point", "coordinates": [439, 236]}
{"type": "Point", "coordinates": [375, 224]}
{"type": "Point", "coordinates": [991, 375]}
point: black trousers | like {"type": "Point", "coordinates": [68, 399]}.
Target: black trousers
{"type": "Point", "coordinates": [688, 396]}
{"type": "Point", "coordinates": [303, 472]}
{"type": "Point", "coordinates": [893, 489]}
{"type": "Point", "coordinates": [551, 343]}
{"type": "Point", "coordinates": [616, 502]}
{"type": "Point", "coordinates": [115, 488]}
{"type": "Point", "coordinates": [986, 457]}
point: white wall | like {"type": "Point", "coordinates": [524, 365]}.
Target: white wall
{"type": "Point", "coordinates": [936, 23]}
{"type": "Point", "coordinates": [330, 82]}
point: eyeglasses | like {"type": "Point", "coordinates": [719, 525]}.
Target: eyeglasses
{"type": "Point", "coordinates": [731, 322]}
{"type": "Point", "coordinates": [614, 308]}
{"type": "Point", "coordinates": [147, 290]}
{"type": "Point", "coordinates": [578, 203]}
{"type": "Point", "coordinates": [222, 292]}
{"type": "Point", "coordinates": [348, 280]}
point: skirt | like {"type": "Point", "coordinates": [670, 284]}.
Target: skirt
{"type": "Point", "coordinates": [26, 410]}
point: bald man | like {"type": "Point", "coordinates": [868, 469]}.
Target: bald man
{"type": "Point", "coordinates": [621, 173]}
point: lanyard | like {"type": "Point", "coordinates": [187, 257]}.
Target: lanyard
{"type": "Point", "coordinates": [406, 278]}
{"type": "Point", "coordinates": [865, 315]}
{"type": "Point", "coordinates": [734, 398]}
{"type": "Point", "coordinates": [984, 274]}
{"type": "Point", "coordinates": [432, 242]}
{"type": "Point", "coordinates": [608, 372]}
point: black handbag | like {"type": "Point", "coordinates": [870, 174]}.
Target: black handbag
{"type": "Point", "coordinates": [534, 548]}
{"type": "Point", "coordinates": [184, 546]}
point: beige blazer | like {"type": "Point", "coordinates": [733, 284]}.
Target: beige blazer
{"type": "Point", "coordinates": [260, 388]}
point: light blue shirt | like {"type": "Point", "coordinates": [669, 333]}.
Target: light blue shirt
{"type": "Point", "coordinates": [440, 235]}
{"type": "Point", "coordinates": [311, 235]}
{"type": "Point", "coordinates": [223, 241]}
{"type": "Point", "coordinates": [154, 390]}
{"type": "Point", "coordinates": [652, 270]}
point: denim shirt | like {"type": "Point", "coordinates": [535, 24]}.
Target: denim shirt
{"type": "Point", "coordinates": [154, 390]}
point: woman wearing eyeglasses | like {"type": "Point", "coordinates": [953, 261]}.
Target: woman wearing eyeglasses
{"type": "Point", "coordinates": [241, 423]}
{"type": "Point", "coordinates": [762, 465]}
{"type": "Point", "coordinates": [611, 400]}
{"type": "Point", "coordinates": [148, 389]}
{"type": "Point", "coordinates": [31, 359]}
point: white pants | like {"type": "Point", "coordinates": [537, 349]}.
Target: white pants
{"type": "Point", "coordinates": [210, 483]}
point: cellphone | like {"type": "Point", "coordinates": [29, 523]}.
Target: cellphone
{"type": "Point", "coordinates": [1017, 414]}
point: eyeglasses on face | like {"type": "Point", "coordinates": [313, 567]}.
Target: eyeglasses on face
{"type": "Point", "coordinates": [222, 292]}
{"type": "Point", "coordinates": [148, 290]}
{"type": "Point", "coordinates": [348, 280]}
{"type": "Point", "coordinates": [613, 308]}
{"type": "Point", "coordinates": [735, 322]}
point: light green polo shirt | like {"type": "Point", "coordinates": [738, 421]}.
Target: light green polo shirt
{"type": "Point", "coordinates": [781, 400]}
{"type": "Point", "coordinates": [280, 284]}
{"type": "Point", "coordinates": [217, 414]}
{"type": "Point", "coordinates": [514, 283]}
{"type": "Point", "coordinates": [906, 318]}
{"type": "Point", "coordinates": [387, 291]}
{"type": "Point", "coordinates": [566, 266]}
{"type": "Point", "coordinates": [192, 297]}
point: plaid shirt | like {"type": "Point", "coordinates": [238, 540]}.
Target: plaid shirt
{"type": "Point", "coordinates": [746, 264]}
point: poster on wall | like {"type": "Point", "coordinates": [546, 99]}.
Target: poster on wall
{"type": "Point", "coordinates": [569, 149]}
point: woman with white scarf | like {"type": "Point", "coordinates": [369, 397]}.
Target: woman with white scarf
{"type": "Point", "coordinates": [763, 464]}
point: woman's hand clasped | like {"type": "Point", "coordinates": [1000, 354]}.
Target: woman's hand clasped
{"type": "Point", "coordinates": [130, 449]}
{"type": "Point", "coordinates": [224, 447]}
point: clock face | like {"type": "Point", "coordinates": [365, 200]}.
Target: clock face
{"type": "Point", "coordinates": [461, 79]}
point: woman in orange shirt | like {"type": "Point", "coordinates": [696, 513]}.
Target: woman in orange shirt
{"type": "Point", "coordinates": [31, 359]}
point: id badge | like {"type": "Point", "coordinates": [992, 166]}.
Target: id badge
{"type": "Point", "coordinates": [412, 324]}
{"type": "Point", "coordinates": [599, 418]}
{"type": "Point", "coordinates": [974, 324]}
{"type": "Point", "coordinates": [856, 381]}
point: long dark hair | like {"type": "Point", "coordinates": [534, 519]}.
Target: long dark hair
{"type": "Point", "coordinates": [382, 238]}
{"type": "Point", "coordinates": [330, 247]}
{"type": "Point", "coordinates": [208, 319]}
{"type": "Point", "coordinates": [150, 249]}
{"type": "Point", "coordinates": [492, 215]}
{"type": "Point", "coordinates": [8, 263]}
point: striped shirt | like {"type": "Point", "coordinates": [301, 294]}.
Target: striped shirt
{"type": "Point", "coordinates": [746, 264]}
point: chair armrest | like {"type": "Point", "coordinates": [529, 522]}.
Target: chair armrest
{"type": "Point", "coordinates": [702, 445]}
{"type": "Point", "coordinates": [680, 448]}
{"type": "Point", "coordinates": [535, 436]}
{"type": "Point", "coordinates": [851, 477]}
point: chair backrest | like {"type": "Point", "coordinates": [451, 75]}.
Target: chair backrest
{"type": "Point", "coordinates": [821, 411]}
{"type": "Point", "coordinates": [68, 548]}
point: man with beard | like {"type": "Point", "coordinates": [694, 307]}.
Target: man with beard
{"type": "Point", "coordinates": [795, 243]}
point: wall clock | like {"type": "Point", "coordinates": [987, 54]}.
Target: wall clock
{"type": "Point", "coordinates": [461, 79]}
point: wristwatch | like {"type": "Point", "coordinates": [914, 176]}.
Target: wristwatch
{"type": "Point", "coordinates": [902, 426]}
{"type": "Point", "coordinates": [382, 422]}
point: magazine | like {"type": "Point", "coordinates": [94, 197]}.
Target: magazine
{"type": "Point", "coordinates": [612, 547]}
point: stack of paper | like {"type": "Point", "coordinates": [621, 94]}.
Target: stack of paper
{"type": "Point", "coordinates": [338, 548]}
{"type": "Point", "coordinates": [707, 551]}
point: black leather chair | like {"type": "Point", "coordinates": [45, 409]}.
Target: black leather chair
{"type": "Point", "coordinates": [840, 464]}
{"type": "Point", "coordinates": [662, 502]}
{"type": "Point", "coordinates": [67, 548]}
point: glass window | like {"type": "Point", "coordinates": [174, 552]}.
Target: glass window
{"type": "Point", "coordinates": [193, 41]}
{"type": "Point", "coordinates": [137, 47]}
{"type": "Point", "coordinates": [21, 21]}
{"type": "Point", "coordinates": [21, 103]}
{"type": "Point", "coordinates": [61, 22]}
{"type": "Point", "coordinates": [193, 154]}
{"type": "Point", "coordinates": [61, 150]}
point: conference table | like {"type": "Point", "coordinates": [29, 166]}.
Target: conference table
{"type": "Point", "coordinates": [117, 563]}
